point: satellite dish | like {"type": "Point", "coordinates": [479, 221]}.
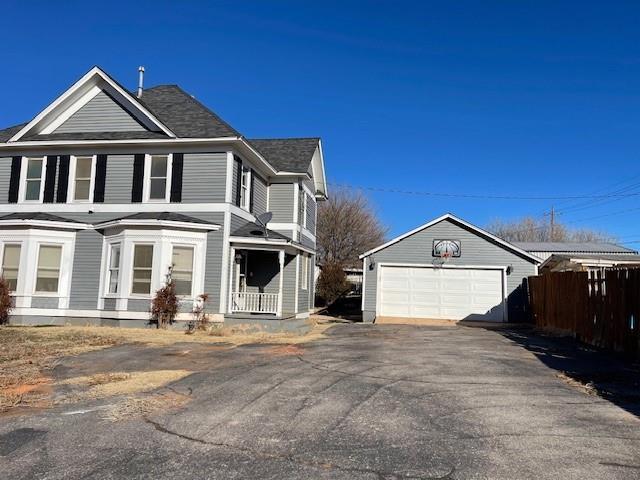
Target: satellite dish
{"type": "Point", "coordinates": [263, 219]}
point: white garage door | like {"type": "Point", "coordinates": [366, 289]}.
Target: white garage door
{"type": "Point", "coordinates": [443, 293]}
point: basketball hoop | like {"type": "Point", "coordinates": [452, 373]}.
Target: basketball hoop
{"type": "Point", "coordinates": [442, 259]}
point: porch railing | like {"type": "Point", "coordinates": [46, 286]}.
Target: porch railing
{"type": "Point", "coordinates": [250, 302]}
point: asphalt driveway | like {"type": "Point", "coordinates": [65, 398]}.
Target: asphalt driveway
{"type": "Point", "coordinates": [367, 402]}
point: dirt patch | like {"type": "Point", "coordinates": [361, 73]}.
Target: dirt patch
{"type": "Point", "coordinates": [285, 350]}
{"type": "Point", "coordinates": [120, 383]}
{"type": "Point", "coordinates": [139, 406]}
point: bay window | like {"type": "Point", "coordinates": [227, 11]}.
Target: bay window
{"type": "Point", "coordinates": [11, 264]}
{"type": "Point", "coordinates": [48, 272]}
{"type": "Point", "coordinates": [142, 269]}
{"type": "Point", "coordinates": [182, 272]}
{"type": "Point", "coordinates": [114, 268]}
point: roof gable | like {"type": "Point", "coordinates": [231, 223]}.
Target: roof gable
{"type": "Point", "coordinates": [477, 230]}
{"type": "Point", "coordinates": [95, 83]}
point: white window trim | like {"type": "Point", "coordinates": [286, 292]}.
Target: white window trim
{"type": "Point", "coordinates": [153, 270]}
{"type": "Point", "coordinates": [146, 186]}
{"type": "Point", "coordinates": [193, 264]}
{"type": "Point", "coordinates": [22, 191]}
{"type": "Point", "coordinates": [304, 284]}
{"type": "Point", "coordinates": [107, 278]}
{"type": "Point", "coordinates": [3, 245]}
{"type": "Point", "coordinates": [247, 197]}
{"type": "Point", "coordinates": [30, 241]}
{"type": "Point", "coordinates": [305, 199]}
{"type": "Point", "coordinates": [163, 241]}
{"type": "Point", "coordinates": [39, 293]}
{"type": "Point", "coordinates": [71, 193]}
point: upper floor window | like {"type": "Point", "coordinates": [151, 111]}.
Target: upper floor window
{"type": "Point", "coordinates": [245, 188]}
{"type": "Point", "coordinates": [34, 179]}
{"type": "Point", "coordinates": [11, 264]}
{"type": "Point", "coordinates": [158, 177]}
{"type": "Point", "coordinates": [83, 171]}
{"type": "Point", "coordinates": [48, 273]}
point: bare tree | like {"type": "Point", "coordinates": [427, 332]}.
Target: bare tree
{"type": "Point", "coordinates": [530, 229]}
{"type": "Point", "coordinates": [347, 226]}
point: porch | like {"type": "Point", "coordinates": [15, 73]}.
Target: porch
{"type": "Point", "coordinates": [257, 282]}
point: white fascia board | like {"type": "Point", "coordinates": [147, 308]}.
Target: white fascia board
{"type": "Point", "coordinates": [449, 216]}
{"type": "Point", "coordinates": [325, 191]}
{"type": "Point", "coordinates": [112, 143]}
{"type": "Point", "coordinates": [272, 243]}
{"type": "Point", "coordinates": [45, 224]}
{"type": "Point", "coordinates": [90, 76]}
{"type": "Point", "coordinates": [156, 223]}
{"type": "Point", "coordinates": [244, 143]}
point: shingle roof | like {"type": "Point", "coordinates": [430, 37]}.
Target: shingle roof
{"type": "Point", "coordinates": [573, 247]}
{"type": "Point", "coordinates": [253, 230]}
{"type": "Point", "coordinates": [9, 132]}
{"type": "Point", "coordinates": [40, 216]}
{"type": "Point", "coordinates": [183, 114]}
{"type": "Point", "coordinates": [287, 154]}
{"type": "Point", "coordinates": [616, 257]}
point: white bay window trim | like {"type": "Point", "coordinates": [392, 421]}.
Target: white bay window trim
{"type": "Point", "coordinates": [146, 186]}
{"type": "Point", "coordinates": [4, 262]}
{"type": "Point", "coordinates": [163, 241]}
{"type": "Point", "coordinates": [24, 167]}
{"type": "Point", "coordinates": [30, 241]}
{"type": "Point", "coordinates": [73, 165]}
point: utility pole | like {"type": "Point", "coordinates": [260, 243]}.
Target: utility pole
{"type": "Point", "coordinates": [552, 220]}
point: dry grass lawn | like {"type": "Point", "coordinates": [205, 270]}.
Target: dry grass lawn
{"type": "Point", "coordinates": [27, 353]}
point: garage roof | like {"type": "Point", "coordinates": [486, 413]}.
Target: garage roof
{"type": "Point", "coordinates": [449, 216]}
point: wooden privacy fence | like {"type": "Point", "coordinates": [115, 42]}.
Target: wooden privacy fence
{"type": "Point", "coordinates": [601, 308]}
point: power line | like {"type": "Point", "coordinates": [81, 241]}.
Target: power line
{"type": "Point", "coordinates": [482, 196]}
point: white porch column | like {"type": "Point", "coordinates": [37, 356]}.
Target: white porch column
{"type": "Point", "coordinates": [281, 280]}
{"type": "Point", "coordinates": [232, 265]}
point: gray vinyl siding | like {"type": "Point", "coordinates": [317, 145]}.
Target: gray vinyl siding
{"type": "Point", "coordinates": [236, 223]}
{"type": "Point", "coordinates": [234, 181]}
{"type": "Point", "coordinates": [5, 175]}
{"type": "Point", "coordinates": [50, 303]}
{"type": "Point", "coordinates": [119, 179]}
{"type": "Point", "coordinates": [213, 262]}
{"type": "Point", "coordinates": [204, 177]}
{"type": "Point", "coordinates": [311, 214]}
{"type": "Point", "coordinates": [281, 201]}
{"type": "Point", "coordinates": [85, 278]}
{"type": "Point", "coordinates": [100, 114]}
{"type": "Point", "coordinates": [289, 286]}
{"type": "Point", "coordinates": [109, 304]}
{"type": "Point", "coordinates": [259, 195]}
{"type": "Point", "coordinates": [138, 305]}
{"type": "Point", "coordinates": [312, 282]}
{"type": "Point", "coordinates": [303, 295]}
{"type": "Point", "coordinates": [475, 251]}
{"type": "Point", "coordinates": [306, 241]}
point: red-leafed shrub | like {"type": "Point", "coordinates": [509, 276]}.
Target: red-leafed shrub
{"type": "Point", "coordinates": [6, 302]}
{"type": "Point", "coordinates": [164, 306]}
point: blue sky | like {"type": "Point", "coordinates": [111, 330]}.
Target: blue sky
{"type": "Point", "coordinates": [499, 98]}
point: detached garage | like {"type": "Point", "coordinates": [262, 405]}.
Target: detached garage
{"type": "Point", "coordinates": [446, 269]}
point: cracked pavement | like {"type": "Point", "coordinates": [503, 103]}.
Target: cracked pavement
{"type": "Point", "coordinates": [366, 402]}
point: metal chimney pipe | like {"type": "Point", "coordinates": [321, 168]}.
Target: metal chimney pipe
{"type": "Point", "coordinates": [140, 80]}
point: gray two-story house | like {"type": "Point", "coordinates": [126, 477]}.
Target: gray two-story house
{"type": "Point", "coordinates": [105, 193]}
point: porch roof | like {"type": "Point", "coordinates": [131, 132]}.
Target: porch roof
{"type": "Point", "coordinates": [254, 233]}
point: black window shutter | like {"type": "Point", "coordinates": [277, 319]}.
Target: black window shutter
{"type": "Point", "coordinates": [253, 182]}
{"type": "Point", "coordinates": [138, 178]}
{"type": "Point", "coordinates": [14, 181]}
{"type": "Point", "coordinates": [101, 178]}
{"type": "Point", "coordinates": [238, 180]}
{"type": "Point", "coordinates": [50, 179]}
{"type": "Point", "coordinates": [176, 177]}
{"type": "Point", "coordinates": [63, 179]}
